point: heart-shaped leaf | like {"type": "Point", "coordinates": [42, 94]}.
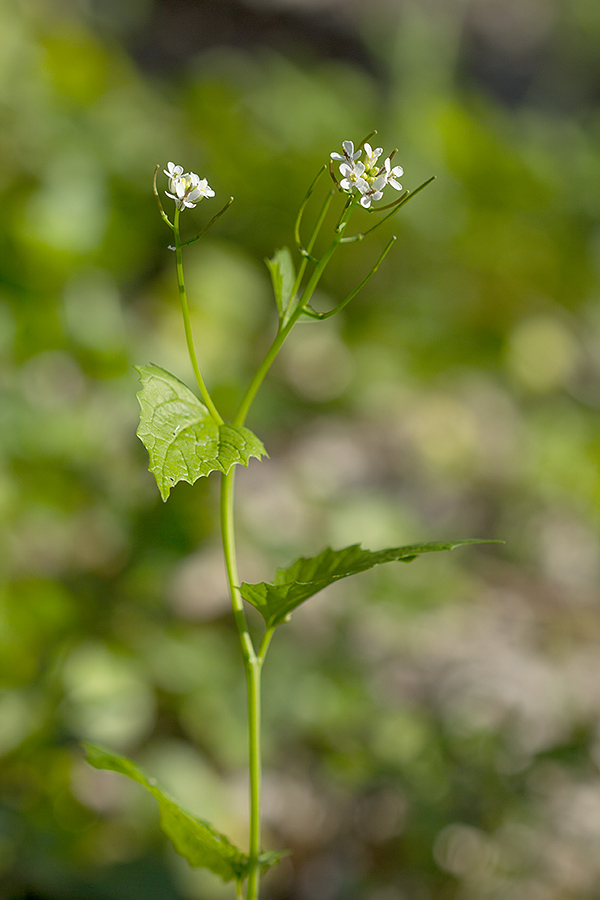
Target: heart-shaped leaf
{"type": "Point", "coordinates": [307, 576]}
{"type": "Point", "coordinates": [183, 440]}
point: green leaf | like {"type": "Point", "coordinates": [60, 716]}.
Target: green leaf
{"type": "Point", "coordinates": [283, 276]}
{"type": "Point", "coordinates": [271, 858]}
{"type": "Point", "coordinates": [307, 576]}
{"type": "Point", "coordinates": [193, 838]}
{"type": "Point", "coordinates": [183, 440]}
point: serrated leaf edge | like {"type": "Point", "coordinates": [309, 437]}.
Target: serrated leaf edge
{"type": "Point", "coordinates": [406, 554]}
{"type": "Point", "coordinates": [165, 484]}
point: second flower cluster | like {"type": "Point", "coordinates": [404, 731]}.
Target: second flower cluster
{"type": "Point", "coordinates": [366, 176]}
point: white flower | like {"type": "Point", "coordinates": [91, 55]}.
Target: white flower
{"type": "Point", "coordinates": [372, 156]}
{"type": "Point", "coordinates": [349, 153]}
{"type": "Point", "coordinates": [366, 177]}
{"type": "Point", "coordinates": [186, 189]}
{"type": "Point", "coordinates": [351, 175]}
{"type": "Point", "coordinates": [172, 171]}
{"type": "Point", "coordinates": [201, 190]}
{"type": "Point", "coordinates": [392, 174]}
{"type": "Point", "coordinates": [373, 191]}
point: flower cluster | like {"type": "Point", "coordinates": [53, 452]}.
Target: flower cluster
{"type": "Point", "coordinates": [366, 176]}
{"type": "Point", "coordinates": [186, 188]}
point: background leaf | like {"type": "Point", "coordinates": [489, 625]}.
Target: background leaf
{"type": "Point", "coordinates": [183, 440]}
{"type": "Point", "coordinates": [309, 575]}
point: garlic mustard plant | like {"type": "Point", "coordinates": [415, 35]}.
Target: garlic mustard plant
{"type": "Point", "coordinates": [187, 438]}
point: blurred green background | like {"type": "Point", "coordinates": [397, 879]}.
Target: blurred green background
{"type": "Point", "coordinates": [432, 730]}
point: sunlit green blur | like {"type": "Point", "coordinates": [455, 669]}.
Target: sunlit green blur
{"type": "Point", "coordinates": [432, 731]}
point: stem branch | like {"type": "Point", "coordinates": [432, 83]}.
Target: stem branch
{"type": "Point", "coordinates": [187, 324]}
{"type": "Point", "coordinates": [284, 330]}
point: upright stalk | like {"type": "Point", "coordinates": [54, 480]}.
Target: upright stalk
{"type": "Point", "coordinates": [253, 672]}
{"type": "Point", "coordinates": [284, 330]}
{"type": "Point", "coordinates": [252, 668]}
{"type": "Point", "coordinates": [187, 324]}
{"type": "Point", "coordinates": [253, 661]}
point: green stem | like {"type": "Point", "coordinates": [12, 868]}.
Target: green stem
{"type": "Point", "coordinates": [253, 661]}
{"type": "Point", "coordinates": [283, 331]}
{"type": "Point", "coordinates": [309, 247]}
{"type": "Point", "coordinates": [336, 309]}
{"type": "Point", "coordinates": [253, 671]}
{"type": "Point", "coordinates": [252, 668]}
{"type": "Point", "coordinates": [187, 324]}
{"type": "Point", "coordinates": [228, 538]}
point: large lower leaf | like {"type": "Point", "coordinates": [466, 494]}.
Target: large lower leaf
{"type": "Point", "coordinates": [193, 838]}
{"type": "Point", "coordinates": [183, 440]}
{"type": "Point", "coordinates": [307, 576]}
{"type": "Point", "coordinates": [196, 840]}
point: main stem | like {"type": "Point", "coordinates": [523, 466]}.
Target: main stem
{"type": "Point", "coordinates": [253, 661]}
{"type": "Point", "coordinates": [253, 668]}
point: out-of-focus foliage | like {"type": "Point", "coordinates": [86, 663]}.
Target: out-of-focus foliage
{"type": "Point", "coordinates": [432, 731]}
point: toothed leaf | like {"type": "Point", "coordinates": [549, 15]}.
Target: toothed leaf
{"type": "Point", "coordinates": [183, 440]}
{"type": "Point", "coordinates": [307, 576]}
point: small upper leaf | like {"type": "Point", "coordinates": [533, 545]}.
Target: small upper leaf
{"type": "Point", "coordinates": [281, 268]}
{"type": "Point", "coordinates": [182, 438]}
{"type": "Point", "coordinates": [307, 576]}
{"type": "Point", "coordinates": [193, 838]}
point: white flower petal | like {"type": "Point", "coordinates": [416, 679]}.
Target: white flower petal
{"type": "Point", "coordinates": [173, 171]}
{"type": "Point", "coordinates": [349, 155]}
{"type": "Point", "coordinates": [396, 172]}
{"type": "Point", "coordinates": [205, 188]}
{"type": "Point", "coordinates": [372, 155]}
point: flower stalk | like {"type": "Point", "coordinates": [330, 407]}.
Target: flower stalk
{"type": "Point", "coordinates": [187, 325]}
